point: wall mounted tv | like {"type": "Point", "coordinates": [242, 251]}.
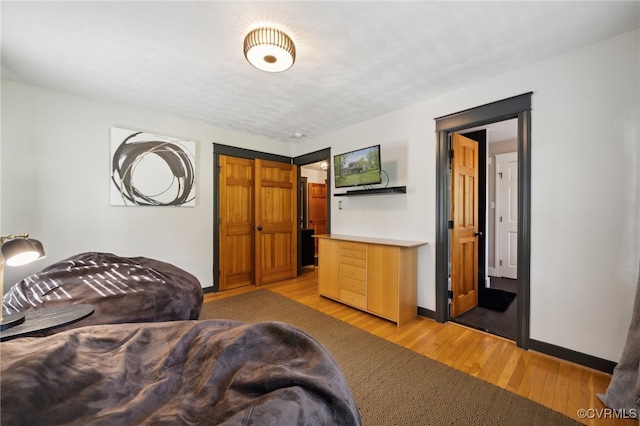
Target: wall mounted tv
{"type": "Point", "coordinates": [357, 168]}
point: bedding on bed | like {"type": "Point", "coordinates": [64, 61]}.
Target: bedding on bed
{"type": "Point", "coordinates": [121, 289]}
{"type": "Point", "coordinates": [183, 372]}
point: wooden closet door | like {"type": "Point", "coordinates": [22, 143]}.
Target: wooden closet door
{"type": "Point", "coordinates": [236, 222]}
{"type": "Point", "coordinates": [276, 236]}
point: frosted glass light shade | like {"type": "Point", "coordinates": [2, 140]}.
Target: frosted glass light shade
{"type": "Point", "coordinates": [269, 49]}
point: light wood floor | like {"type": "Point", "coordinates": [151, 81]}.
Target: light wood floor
{"type": "Point", "coordinates": [555, 383]}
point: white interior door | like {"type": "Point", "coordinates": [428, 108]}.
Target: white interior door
{"type": "Point", "coordinates": [507, 215]}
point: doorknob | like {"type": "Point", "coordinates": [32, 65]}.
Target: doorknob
{"type": "Point", "coordinates": [259, 228]}
{"type": "Point", "coordinates": [477, 234]}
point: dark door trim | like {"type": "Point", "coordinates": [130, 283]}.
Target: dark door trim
{"type": "Point", "coordinates": [516, 107]}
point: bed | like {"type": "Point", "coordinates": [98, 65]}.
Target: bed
{"type": "Point", "coordinates": [121, 290]}
{"type": "Point", "coordinates": [129, 365]}
{"type": "Point", "coordinates": [179, 373]}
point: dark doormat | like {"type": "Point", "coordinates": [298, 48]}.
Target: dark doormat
{"type": "Point", "coordinates": [495, 299]}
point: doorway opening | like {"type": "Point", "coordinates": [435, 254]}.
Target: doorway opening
{"type": "Point", "coordinates": [495, 310]}
{"type": "Point", "coordinates": [314, 206]}
{"type": "Point", "coordinates": [518, 108]}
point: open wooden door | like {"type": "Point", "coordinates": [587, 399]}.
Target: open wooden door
{"type": "Point", "coordinates": [276, 236]}
{"type": "Point", "coordinates": [464, 236]}
{"type": "Point", "coordinates": [317, 209]}
{"type": "Point", "coordinates": [236, 222]}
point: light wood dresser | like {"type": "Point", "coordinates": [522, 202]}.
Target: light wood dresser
{"type": "Point", "coordinates": [375, 275]}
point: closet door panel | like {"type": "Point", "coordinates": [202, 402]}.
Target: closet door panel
{"type": "Point", "coordinates": [236, 222]}
{"type": "Point", "coordinates": [275, 229]}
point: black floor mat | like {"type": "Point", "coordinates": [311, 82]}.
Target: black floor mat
{"type": "Point", "coordinates": [495, 299]}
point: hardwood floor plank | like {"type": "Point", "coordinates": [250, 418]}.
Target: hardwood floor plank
{"type": "Point", "coordinates": [519, 372]}
{"type": "Point", "coordinates": [555, 383]}
{"type": "Point", "coordinates": [573, 390]}
{"type": "Point", "coordinates": [562, 388]}
{"type": "Point", "coordinates": [541, 366]}
{"type": "Point", "coordinates": [550, 384]}
{"type": "Point", "coordinates": [487, 361]}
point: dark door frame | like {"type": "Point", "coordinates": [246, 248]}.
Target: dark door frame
{"type": "Point", "coordinates": [303, 160]}
{"type": "Point", "coordinates": [516, 107]}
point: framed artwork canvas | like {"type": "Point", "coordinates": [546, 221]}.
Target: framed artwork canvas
{"type": "Point", "coordinates": [151, 170]}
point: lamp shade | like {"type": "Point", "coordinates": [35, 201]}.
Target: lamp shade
{"type": "Point", "coordinates": [269, 49]}
{"type": "Point", "coordinates": [21, 251]}
{"type": "Point", "coordinates": [39, 247]}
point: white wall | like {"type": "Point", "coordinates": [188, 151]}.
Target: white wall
{"type": "Point", "coordinates": [585, 185]}
{"type": "Point", "coordinates": [313, 176]}
{"type": "Point", "coordinates": [585, 218]}
{"type": "Point", "coordinates": [55, 181]}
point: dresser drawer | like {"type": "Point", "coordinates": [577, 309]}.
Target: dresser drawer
{"type": "Point", "coordinates": [353, 246]}
{"type": "Point", "coordinates": [356, 286]}
{"type": "Point", "coordinates": [354, 272]}
{"type": "Point", "coordinates": [351, 253]}
{"type": "Point", "coordinates": [353, 299]}
{"type": "Point", "coordinates": [353, 261]}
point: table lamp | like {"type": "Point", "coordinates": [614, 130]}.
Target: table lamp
{"type": "Point", "coordinates": [15, 250]}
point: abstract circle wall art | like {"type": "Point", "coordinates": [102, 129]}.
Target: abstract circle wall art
{"type": "Point", "coordinates": [151, 170]}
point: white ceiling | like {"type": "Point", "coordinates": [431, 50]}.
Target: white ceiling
{"type": "Point", "coordinates": [356, 60]}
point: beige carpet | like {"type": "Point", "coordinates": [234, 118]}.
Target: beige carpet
{"type": "Point", "coordinates": [392, 385]}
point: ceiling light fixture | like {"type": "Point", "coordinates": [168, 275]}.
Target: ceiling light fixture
{"type": "Point", "coordinates": [269, 49]}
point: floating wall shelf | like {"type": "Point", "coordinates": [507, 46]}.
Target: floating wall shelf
{"type": "Point", "coordinates": [374, 191]}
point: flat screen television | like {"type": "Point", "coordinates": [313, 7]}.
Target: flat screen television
{"type": "Point", "coordinates": [356, 168]}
